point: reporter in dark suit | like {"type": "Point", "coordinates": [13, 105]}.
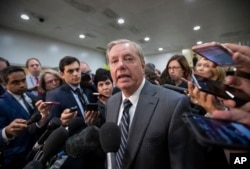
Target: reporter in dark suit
{"type": "Point", "coordinates": [15, 139]}
{"type": "Point", "coordinates": [157, 136]}
{"type": "Point", "coordinates": [67, 97]}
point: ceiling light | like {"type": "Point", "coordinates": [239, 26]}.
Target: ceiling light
{"type": "Point", "coordinates": [25, 17]}
{"type": "Point", "coordinates": [199, 42]}
{"type": "Point", "coordinates": [120, 21]}
{"type": "Point", "coordinates": [81, 36]}
{"type": "Point", "coordinates": [147, 39]}
{"type": "Point", "coordinates": [160, 49]}
{"type": "Point", "coordinates": [196, 28]}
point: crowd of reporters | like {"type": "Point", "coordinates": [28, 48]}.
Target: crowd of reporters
{"type": "Point", "coordinates": [62, 138]}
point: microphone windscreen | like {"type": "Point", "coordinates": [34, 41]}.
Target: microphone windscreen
{"type": "Point", "coordinates": [76, 124]}
{"type": "Point", "coordinates": [54, 143]}
{"type": "Point", "coordinates": [110, 137]}
{"type": "Point", "coordinates": [34, 118]}
{"type": "Point", "coordinates": [34, 165]}
{"type": "Point", "coordinates": [54, 123]}
{"type": "Point", "coordinates": [85, 143]}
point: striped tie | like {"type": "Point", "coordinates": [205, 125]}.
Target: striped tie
{"type": "Point", "coordinates": [124, 126]}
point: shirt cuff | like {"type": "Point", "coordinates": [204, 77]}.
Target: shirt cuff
{"type": "Point", "coordinates": [5, 138]}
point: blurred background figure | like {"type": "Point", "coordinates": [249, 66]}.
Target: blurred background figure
{"type": "Point", "coordinates": [87, 77]}
{"type": "Point", "coordinates": [176, 68]}
{"type": "Point", "coordinates": [3, 64]}
{"type": "Point", "coordinates": [206, 69]}
{"type": "Point", "coordinates": [50, 79]}
{"type": "Point", "coordinates": [104, 84]}
{"type": "Point", "coordinates": [34, 68]}
{"type": "Point", "coordinates": [151, 76]}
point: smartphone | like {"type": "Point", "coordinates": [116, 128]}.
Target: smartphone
{"type": "Point", "coordinates": [220, 90]}
{"type": "Point", "coordinates": [215, 132]}
{"type": "Point", "coordinates": [73, 109]}
{"type": "Point", "coordinates": [216, 53]}
{"type": "Point", "coordinates": [91, 107]}
{"type": "Point", "coordinates": [99, 94]}
{"type": "Point", "coordinates": [52, 103]}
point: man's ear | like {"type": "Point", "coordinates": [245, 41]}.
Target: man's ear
{"type": "Point", "coordinates": [62, 74]}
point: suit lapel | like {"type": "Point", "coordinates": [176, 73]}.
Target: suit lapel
{"type": "Point", "coordinates": [70, 98]}
{"type": "Point", "coordinates": [17, 106]}
{"type": "Point", "coordinates": [114, 110]}
{"type": "Point", "coordinates": [143, 113]}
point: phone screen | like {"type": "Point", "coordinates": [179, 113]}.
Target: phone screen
{"type": "Point", "coordinates": [209, 131]}
{"type": "Point", "coordinates": [221, 90]}
{"type": "Point", "coordinates": [91, 107]}
{"type": "Point", "coordinates": [216, 54]}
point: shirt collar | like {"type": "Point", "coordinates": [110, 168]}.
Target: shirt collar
{"type": "Point", "coordinates": [135, 96]}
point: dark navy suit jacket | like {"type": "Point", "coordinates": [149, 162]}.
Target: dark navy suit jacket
{"type": "Point", "coordinates": [11, 109]}
{"type": "Point", "coordinates": [63, 94]}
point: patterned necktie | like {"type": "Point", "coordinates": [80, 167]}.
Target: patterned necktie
{"type": "Point", "coordinates": [81, 97]}
{"type": "Point", "coordinates": [26, 104]}
{"type": "Point", "coordinates": [124, 126]}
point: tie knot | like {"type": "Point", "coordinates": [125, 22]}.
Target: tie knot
{"type": "Point", "coordinates": [77, 90]}
{"type": "Point", "coordinates": [127, 103]}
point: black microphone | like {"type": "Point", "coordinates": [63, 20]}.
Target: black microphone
{"type": "Point", "coordinates": [33, 165]}
{"type": "Point", "coordinates": [53, 124]}
{"type": "Point", "coordinates": [34, 118]}
{"type": "Point", "coordinates": [54, 143]}
{"type": "Point", "coordinates": [175, 88]}
{"type": "Point", "coordinates": [110, 137]}
{"type": "Point", "coordinates": [83, 143]}
{"type": "Point", "coordinates": [86, 144]}
{"type": "Point", "coordinates": [75, 125]}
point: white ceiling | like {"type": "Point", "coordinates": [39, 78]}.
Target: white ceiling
{"type": "Point", "coordinates": [168, 23]}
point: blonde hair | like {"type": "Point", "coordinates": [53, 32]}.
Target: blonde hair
{"type": "Point", "coordinates": [42, 84]}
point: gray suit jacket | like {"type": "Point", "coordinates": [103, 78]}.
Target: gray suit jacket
{"type": "Point", "coordinates": [158, 138]}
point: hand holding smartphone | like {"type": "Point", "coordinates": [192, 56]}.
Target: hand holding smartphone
{"type": "Point", "coordinates": [221, 90]}
{"type": "Point", "coordinates": [215, 132]}
{"type": "Point", "coordinates": [215, 52]}
{"type": "Point", "coordinates": [73, 109]}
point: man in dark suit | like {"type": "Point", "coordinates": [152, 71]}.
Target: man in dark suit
{"type": "Point", "coordinates": [15, 109]}
{"type": "Point", "coordinates": [67, 96]}
{"type": "Point", "coordinates": [157, 136]}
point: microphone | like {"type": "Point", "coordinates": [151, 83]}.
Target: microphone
{"type": "Point", "coordinates": [176, 88]}
{"type": "Point", "coordinates": [53, 124]}
{"type": "Point", "coordinates": [75, 125]}
{"type": "Point", "coordinates": [54, 143]}
{"type": "Point", "coordinates": [86, 144]}
{"type": "Point", "coordinates": [34, 118]}
{"type": "Point", "coordinates": [83, 143]}
{"type": "Point", "coordinates": [110, 137]}
{"type": "Point", "coordinates": [33, 165]}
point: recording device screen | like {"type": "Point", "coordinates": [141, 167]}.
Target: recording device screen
{"type": "Point", "coordinates": [221, 90]}
{"type": "Point", "coordinates": [209, 131]}
{"type": "Point", "coordinates": [216, 54]}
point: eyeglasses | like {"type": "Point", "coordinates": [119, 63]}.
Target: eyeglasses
{"type": "Point", "coordinates": [173, 68]}
{"type": "Point", "coordinates": [51, 81]}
